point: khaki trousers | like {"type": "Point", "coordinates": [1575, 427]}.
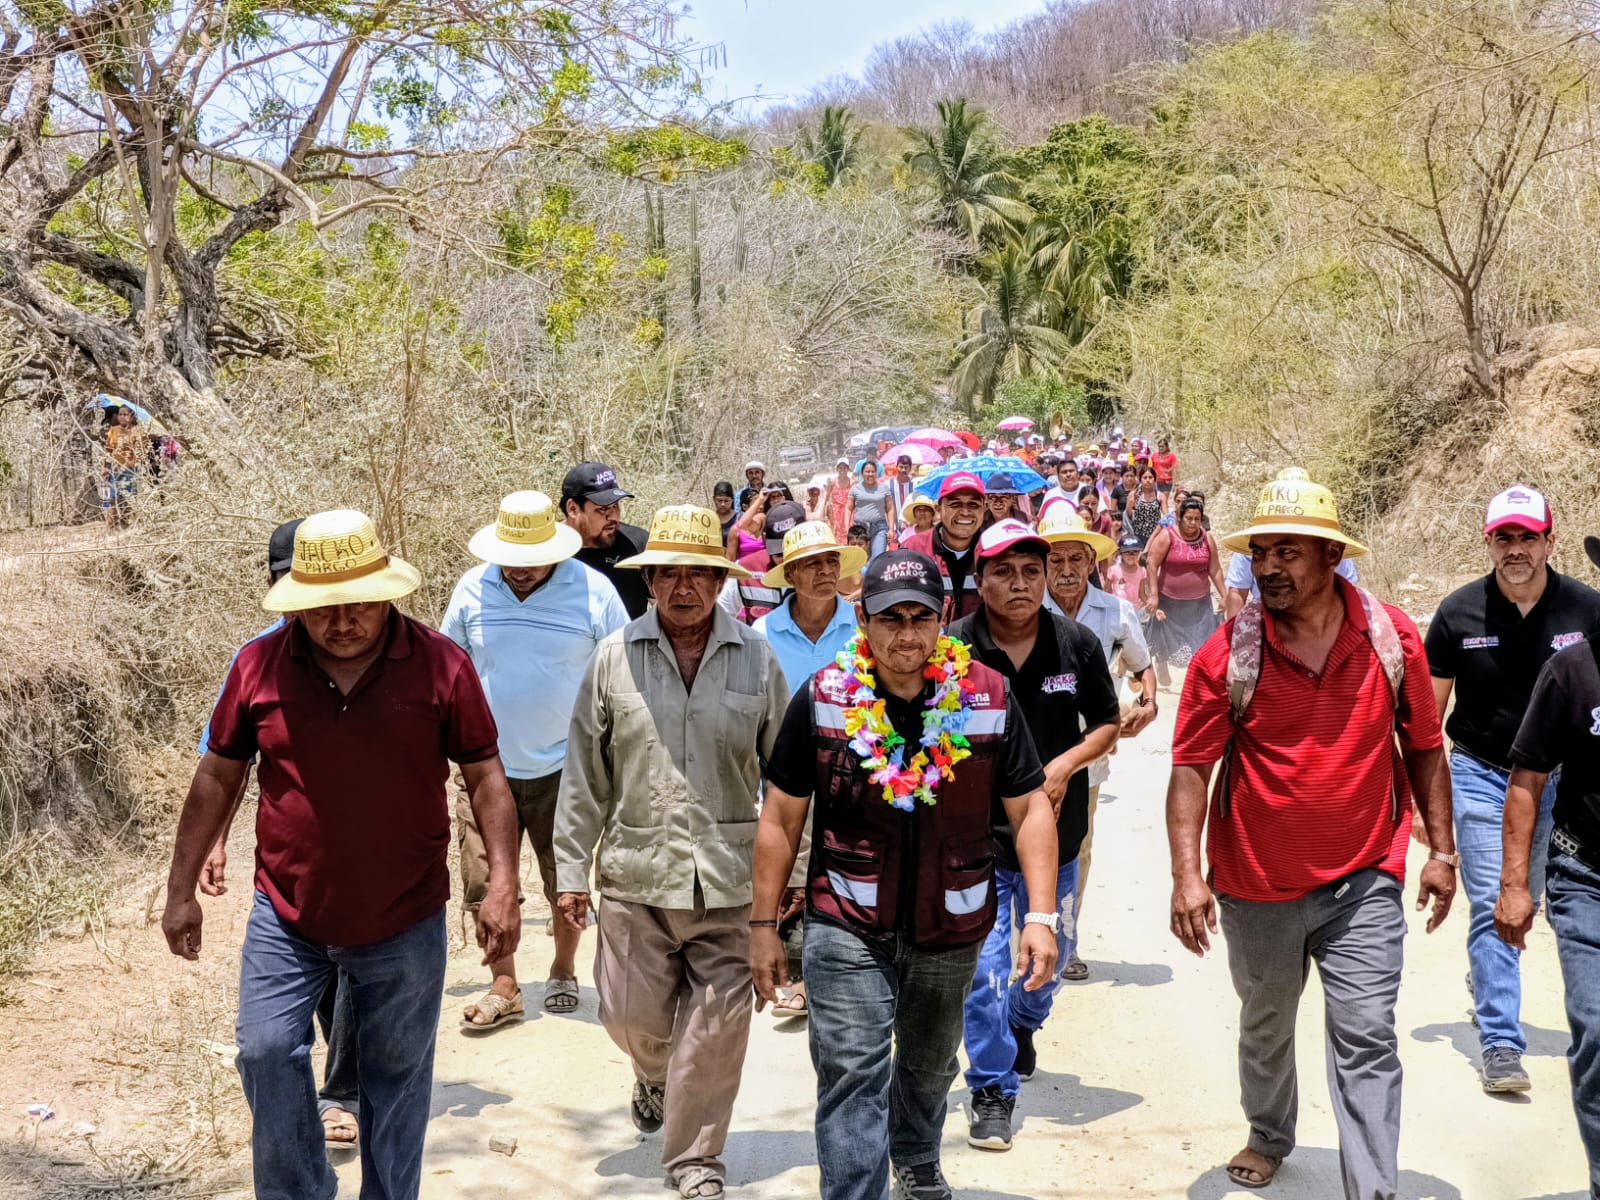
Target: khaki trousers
{"type": "Point", "coordinates": [1084, 856]}
{"type": "Point", "coordinates": [675, 996]}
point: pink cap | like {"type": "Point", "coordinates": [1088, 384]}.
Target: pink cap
{"type": "Point", "coordinates": [1008, 535]}
{"type": "Point", "coordinates": [1520, 506]}
{"type": "Point", "coordinates": [960, 481]}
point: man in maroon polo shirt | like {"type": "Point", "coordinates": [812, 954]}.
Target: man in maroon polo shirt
{"type": "Point", "coordinates": [355, 713]}
{"type": "Point", "coordinates": [1300, 697]}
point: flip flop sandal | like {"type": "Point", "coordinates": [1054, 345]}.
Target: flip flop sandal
{"type": "Point", "coordinates": [793, 1005]}
{"type": "Point", "coordinates": [560, 995]}
{"type": "Point", "coordinates": [1076, 970]}
{"type": "Point", "coordinates": [1239, 1174]}
{"type": "Point", "coordinates": [342, 1123]}
{"type": "Point", "coordinates": [497, 1008]}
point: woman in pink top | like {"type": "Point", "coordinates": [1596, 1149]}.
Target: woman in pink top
{"type": "Point", "coordinates": [1186, 565]}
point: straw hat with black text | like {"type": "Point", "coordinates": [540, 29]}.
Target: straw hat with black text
{"type": "Point", "coordinates": [338, 559]}
{"type": "Point", "coordinates": [1293, 504]}
{"type": "Point", "coordinates": [809, 540]}
{"type": "Point", "coordinates": [526, 533]}
{"type": "Point", "coordinates": [685, 535]}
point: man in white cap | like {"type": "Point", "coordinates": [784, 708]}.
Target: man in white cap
{"type": "Point", "coordinates": [355, 713]}
{"type": "Point", "coordinates": [1300, 699]}
{"type": "Point", "coordinates": [1560, 734]}
{"type": "Point", "coordinates": [676, 714]}
{"type": "Point", "coordinates": [1058, 676]}
{"type": "Point", "coordinates": [1487, 644]}
{"type": "Point", "coordinates": [1075, 553]}
{"type": "Point", "coordinates": [755, 477]}
{"type": "Point", "coordinates": [530, 618]}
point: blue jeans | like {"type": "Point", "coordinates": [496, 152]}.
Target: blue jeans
{"type": "Point", "coordinates": [396, 987]}
{"type": "Point", "coordinates": [878, 533]}
{"type": "Point", "coordinates": [341, 1081]}
{"type": "Point", "coordinates": [885, 1027]}
{"type": "Point", "coordinates": [1479, 792]}
{"type": "Point", "coordinates": [995, 1003]}
{"type": "Point", "coordinates": [1573, 889]}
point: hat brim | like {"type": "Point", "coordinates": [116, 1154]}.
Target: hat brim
{"type": "Point", "coordinates": [1102, 546]}
{"type": "Point", "coordinates": [607, 497]}
{"type": "Point", "coordinates": [851, 560]}
{"type": "Point", "coordinates": [397, 580]}
{"type": "Point", "coordinates": [884, 601]}
{"type": "Point", "coordinates": [1239, 542]}
{"type": "Point", "coordinates": [562, 545]}
{"type": "Point", "coordinates": [1591, 547]}
{"type": "Point", "coordinates": [684, 558]}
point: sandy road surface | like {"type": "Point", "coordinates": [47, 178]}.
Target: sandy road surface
{"type": "Point", "coordinates": [1136, 1094]}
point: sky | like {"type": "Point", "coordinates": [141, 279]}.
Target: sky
{"type": "Point", "coordinates": [782, 48]}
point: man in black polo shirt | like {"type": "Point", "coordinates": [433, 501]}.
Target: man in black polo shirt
{"type": "Point", "coordinates": [1561, 732]}
{"type": "Point", "coordinates": [1058, 676]}
{"type": "Point", "coordinates": [591, 502]}
{"type": "Point", "coordinates": [900, 890]}
{"type": "Point", "coordinates": [1487, 643]}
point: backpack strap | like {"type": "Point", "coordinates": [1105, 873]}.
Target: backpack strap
{"type": "Point", "coordinates": [1245, 646]}
{"type": "Point", "coordinates": [1385, 639]}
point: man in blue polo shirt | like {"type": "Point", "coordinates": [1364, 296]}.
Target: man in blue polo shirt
{"type": "Point", "coordinates": [529, 619]}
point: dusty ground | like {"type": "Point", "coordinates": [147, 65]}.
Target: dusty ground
{"type": "Point", "coordinates": [1136, 1095]}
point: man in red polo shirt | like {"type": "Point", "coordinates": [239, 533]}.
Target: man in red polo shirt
{"type": "Point", "coordinates": [355, 713]}
{"type": "Point", "coordinates": [1300, 698]}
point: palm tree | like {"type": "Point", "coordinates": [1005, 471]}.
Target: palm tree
{"type": "Point", "coordinates": [1076, 271]}
{"type": "Point", "coordinates": [833, 145]}
{"type": "Point", "coordinates": [1010, 332]}
{"type": "Point", "coordinates": [973, 194]}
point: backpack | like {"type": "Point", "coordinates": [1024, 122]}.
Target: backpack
{"type": "Point", "coordinates": [1244, 672]}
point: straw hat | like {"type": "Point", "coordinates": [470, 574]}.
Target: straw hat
{"type": "Point", "coordinates": [808, 540]}
{"type": "Point", "coordinates": [339, 560]}
{"type": "Point", "coordinates": [1062, 523]}
{"type": "Point", "coordinates": [920, 501]}
{"type": "Point", "coordinates": [526, 533]}
{"type": "Point", "coordinates": [684, 535]}
{"type": "Point", "coordinates": [1291, 503]}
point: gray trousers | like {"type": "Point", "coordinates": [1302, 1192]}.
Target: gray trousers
{"type": "Point", "coordinates": [1353, 930]}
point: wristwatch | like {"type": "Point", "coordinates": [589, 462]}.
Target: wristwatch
{"type": "Point", "coordinates": [1453, 860]}
{"type": "Point", "coordinates": [1146, 702]}
{"type": "Point", "coordinates": [1051, 921]}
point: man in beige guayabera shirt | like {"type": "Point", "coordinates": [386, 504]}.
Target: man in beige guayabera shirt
{"type": "Point", "coordinates": [672, 727]}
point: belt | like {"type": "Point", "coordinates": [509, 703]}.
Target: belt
{"type": "Point", "coordinates": [1480, 759]}
{"type": "Point", "coordinates": [1565, 840]}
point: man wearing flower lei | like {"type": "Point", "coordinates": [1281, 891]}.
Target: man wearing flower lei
{"type": "Point", "coordinates": [1058, 676]}
{"type": "Point", "coordinates": [912, 750]}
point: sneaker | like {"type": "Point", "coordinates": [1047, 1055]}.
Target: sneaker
{"type": "Point", "coordinates": [646, 1107]}
{"type": "Point", "coordinates": [1502, 1071]}
{"type": "Point", "coordinates": [922, 1182]}
{"type": "Point", "coordinates": [1027, 1057]}
{"type": "Point", "coordinates": [991, 1119]}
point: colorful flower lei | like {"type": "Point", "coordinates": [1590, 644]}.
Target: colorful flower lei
{"type": "Point", "coordinates": [873, 736]}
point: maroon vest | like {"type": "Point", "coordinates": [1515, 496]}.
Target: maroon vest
{"type": "Point", "coordinates": [877, 869]}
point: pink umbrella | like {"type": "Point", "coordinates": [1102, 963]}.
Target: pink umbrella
{"type": "Point", "coordinates": [937, 438]}
{"type": "Point", "coordinates": [1014, 423]}
{"type": "Point", "coordinates": [921, 455]}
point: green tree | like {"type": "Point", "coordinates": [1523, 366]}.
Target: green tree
{"type": "Point", "coordinates": [834, 144]}
{"type": "Point", "coordinates": [973, 194]}
{"type": "Point", "coordinates": [1009, 335]}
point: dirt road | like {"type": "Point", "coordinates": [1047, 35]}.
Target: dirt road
{"type": "Point", "coordinates": [1135, 1097]}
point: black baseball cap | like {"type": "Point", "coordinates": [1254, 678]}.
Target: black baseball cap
{"type": "Point", "coordinates": [1131, 543]}
{"type": "Point", "coordinates": [900, 577]}
{"type": "Point", "coordinates": [594, 482]}
{"type": "Point", "coordinates": [280, 549]}
{"type": "Point", "coordinates": [780, 519]}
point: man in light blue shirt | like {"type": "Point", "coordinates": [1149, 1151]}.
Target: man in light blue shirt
{"type": "Point", "coordinates": [807, 631]}
{"type": "Point", "coordinates": [529, 619]}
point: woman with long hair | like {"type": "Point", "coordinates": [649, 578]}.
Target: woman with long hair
{"type": "Point", "coordinates": [1185, 563]}
{"type": "Point", "coordinates": [838, 499]}
{"type": "Point", "coordinates": [1142, 514]}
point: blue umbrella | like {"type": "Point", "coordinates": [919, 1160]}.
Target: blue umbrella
{"type": "Point", "coordinates": [984, 466]}
{"type": "Point", "coordinates": [140, 415]}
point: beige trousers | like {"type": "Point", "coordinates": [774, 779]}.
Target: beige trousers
{"type": "Point", "coordinates": [1084, 856]}
{"type": "Point", "coordinates": [675, 995]}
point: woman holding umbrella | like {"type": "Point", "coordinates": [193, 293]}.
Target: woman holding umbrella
{"type": "Point", "coordinates": [127, 452]}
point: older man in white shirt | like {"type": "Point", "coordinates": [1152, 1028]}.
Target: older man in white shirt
{"type": "Point", "coordinates": [1074, 553]}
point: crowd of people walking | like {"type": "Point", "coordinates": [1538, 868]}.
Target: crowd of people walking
{"type": "Point", "coordinates": [842, 755]}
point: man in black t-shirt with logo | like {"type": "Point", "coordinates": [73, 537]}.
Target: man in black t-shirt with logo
{"type": "Point", "coordinates": [900, 889]}
{"type": "Point", "coordinates": [1487, 643]}
{"type": "Point", "coordinates": [591, 502]}
{"type": "Point", "coordinates": [1561, 732]}
{"type": "Point", "coordinates": [1058, 676]}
